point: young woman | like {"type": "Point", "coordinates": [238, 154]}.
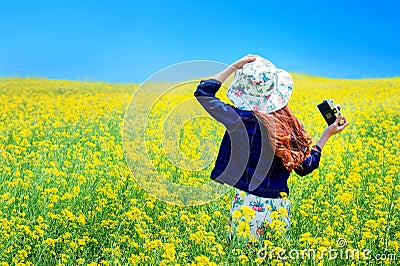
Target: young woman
{"type": "Point", "coordinates": [263, 143]}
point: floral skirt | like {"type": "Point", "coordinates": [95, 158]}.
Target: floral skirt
{"type": "Point", "coordinates": [261, 215]}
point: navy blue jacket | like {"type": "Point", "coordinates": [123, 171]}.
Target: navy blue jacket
{"type": "Point", "coordinates": [245, 159]}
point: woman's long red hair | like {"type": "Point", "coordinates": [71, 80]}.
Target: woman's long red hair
{"type": "Point", "coordinates": [287, 136]}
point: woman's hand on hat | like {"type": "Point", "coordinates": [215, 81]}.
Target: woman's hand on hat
{"type": "Point", "coordinates": [223, 75]}
{"type": "Point", "coordinates": [244, 60]}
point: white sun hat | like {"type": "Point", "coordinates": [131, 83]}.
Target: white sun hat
{"type": "Point", "coordinates": [259, 85]}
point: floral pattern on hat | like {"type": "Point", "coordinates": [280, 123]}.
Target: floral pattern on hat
{"type": "Point", "coordinates": [259, 85]}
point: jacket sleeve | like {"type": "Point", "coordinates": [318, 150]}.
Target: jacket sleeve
{"type": "Point", "coordinates": [222, 112]}
{"type": "Point", "coordinates": [310, 163]}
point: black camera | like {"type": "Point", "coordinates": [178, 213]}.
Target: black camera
{"type": "Point", "coordinates": [330, 111]}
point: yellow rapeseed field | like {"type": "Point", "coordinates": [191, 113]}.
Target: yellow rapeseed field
{"type": "Point", "coordinates": [68, 196]}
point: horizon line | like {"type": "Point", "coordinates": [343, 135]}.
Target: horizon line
{"type": "Point", "coordinates": [91, 80]}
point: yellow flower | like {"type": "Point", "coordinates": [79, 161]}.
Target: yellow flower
{"type": "Point", "coordinates": [203, 261]}
{"type": "Point", "coordinates": [236, 214]}
{"type": "Point", "coordinates": [169, 251]}
{"type": "Point", "coordinates": [282, 212]}
{"type": "Point", "coordinates": [243, 259]}
{"type": "Point", "coordinates": [283, 194]}
{"type": "Point", "coordinates": [248, 212]}
{"type": "Point", "coordinates": [394, 245]}
{"type": "Point", "coordinates": [243, 229]}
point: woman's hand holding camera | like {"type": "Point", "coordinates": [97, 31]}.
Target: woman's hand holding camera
{"type": "Point", "coordinates": [335, 127]}
{"type": "Point", "coordinates": [332, 130]}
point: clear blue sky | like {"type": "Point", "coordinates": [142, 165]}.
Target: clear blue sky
{"type": "Point", "coordinates": [127, 41]}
